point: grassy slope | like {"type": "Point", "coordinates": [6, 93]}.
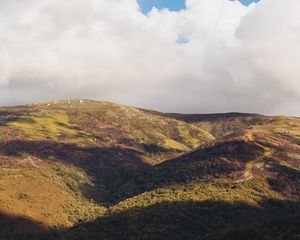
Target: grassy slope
{"type": "Point", "coordinates": [67, 162]}
{"type": "Point", "coordinates": [32, 138]}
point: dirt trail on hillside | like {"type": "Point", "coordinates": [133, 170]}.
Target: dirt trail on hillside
{"type": "Point", "coordinates": [30, 161]}
{"type": "Point", "coordinates": [248, 175]}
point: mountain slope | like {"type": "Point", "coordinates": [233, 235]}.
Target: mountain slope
{"type": "Point", "coordinates": [105, 169]}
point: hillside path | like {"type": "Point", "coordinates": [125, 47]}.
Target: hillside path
{"type": "Point", "coordinates": [248, 175]}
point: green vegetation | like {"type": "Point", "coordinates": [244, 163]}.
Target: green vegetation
{"type": "Point", "coordinates": [80, 169]}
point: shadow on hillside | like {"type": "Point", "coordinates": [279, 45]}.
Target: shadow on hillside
{"type": "Point", "coordinates": [112, 169]}
{"type": "Point", "coordinates": [17, 227]}
{"type": "Point", "coordinates": [6, 117]}
{"type": "Point", "coordinates": [188, 220]}
{"type": "Point", "coordinates": [181, 220]}
{"type": "Point", "coordinates": [12, 116]}
{"type": "Point", "coordinates": [192, 118]}
{"type": "Point", "coordinates": [211, 117]}
{"type": "Point", "coordinates": [282, 169]}
{"type": "Point", "coordinates": [74, 154]}
{"type": "Point", "coordinates": [286, 228]}
{"type": "Point", "coordinates": [223, 160]}
{"type": "Point", "coordinates": [120, 173]}
{"type": "Point", "coordinates": [283, 179]}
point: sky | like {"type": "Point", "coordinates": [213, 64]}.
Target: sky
{"type": "Point", "coordinates": [172, 5]}
{"type": "Point", "coordinates": [209, 56]}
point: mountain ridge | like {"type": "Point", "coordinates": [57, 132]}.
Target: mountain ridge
{"type": "Point", "coordinates": [110, 163]}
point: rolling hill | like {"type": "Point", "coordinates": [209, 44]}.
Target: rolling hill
{"type": "Point", "coordinates": [81, 169]}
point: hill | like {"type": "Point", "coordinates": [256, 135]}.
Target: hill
{"type": "Point", "coordinates": [81, 169]}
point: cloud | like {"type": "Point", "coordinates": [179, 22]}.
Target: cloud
{"type": "Point", "coordinates": [215, 56]}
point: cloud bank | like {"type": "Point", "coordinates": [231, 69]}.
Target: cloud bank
{"type": "Point", "coordinates": [215, 56]}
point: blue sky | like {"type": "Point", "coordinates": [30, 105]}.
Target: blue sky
{"type": "Point", "coordinates": [173, 5]}
{"type": "Point", "coordinates": [247, 2]}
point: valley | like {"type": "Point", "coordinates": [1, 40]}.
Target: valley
{"type": "Point", "coordinates": [82, 169]}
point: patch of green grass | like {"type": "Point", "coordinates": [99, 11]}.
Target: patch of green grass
{"type": "Point", "coordinates": [45, 126]}
{"type": "Point", "coordinates": [51, 126]}
{"type": "Point", "coordinates": [171, 144]}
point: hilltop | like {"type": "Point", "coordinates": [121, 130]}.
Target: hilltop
{"type": "Point", "coordinates": [82, 169]}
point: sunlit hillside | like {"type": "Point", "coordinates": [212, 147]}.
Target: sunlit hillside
{"type": "Point", "coordinates": [80, 169]}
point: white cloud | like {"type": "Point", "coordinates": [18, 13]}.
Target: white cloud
{"type": "Point", "coordinates": [234, 58]}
